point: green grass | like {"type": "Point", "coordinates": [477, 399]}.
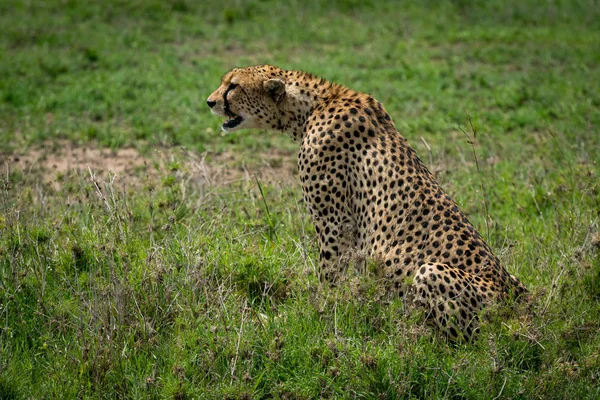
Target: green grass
{"type": "Point", "coordinates": [176, 288]}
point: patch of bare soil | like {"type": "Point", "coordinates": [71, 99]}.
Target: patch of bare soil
{"type": "Point", "coordinates": [275, 167]}
{"type": "Point", "coordinates": [56, 163]}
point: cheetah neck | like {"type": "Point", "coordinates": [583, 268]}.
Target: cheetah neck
{"type": "Point", "coordinates": [304, 93]}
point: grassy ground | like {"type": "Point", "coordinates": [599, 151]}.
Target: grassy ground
{"type": "Point", "coordinates": [166, 284]}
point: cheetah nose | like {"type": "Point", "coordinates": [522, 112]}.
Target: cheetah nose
{"type": "Point", "coordinates": [211, 103]}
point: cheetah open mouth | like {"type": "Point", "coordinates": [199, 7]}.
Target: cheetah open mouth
{"type": "Point", "coordinates": [234, 121]}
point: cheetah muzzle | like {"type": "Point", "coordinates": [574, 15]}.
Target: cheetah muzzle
{"type": "Point", "coordinates": [368, 193]}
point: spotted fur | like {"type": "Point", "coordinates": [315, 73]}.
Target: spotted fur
{"type": "Point", "coordinates": [368, 192]}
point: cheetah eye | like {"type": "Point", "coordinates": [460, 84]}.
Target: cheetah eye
{"type": "Point", "coordinates": [232, 86]}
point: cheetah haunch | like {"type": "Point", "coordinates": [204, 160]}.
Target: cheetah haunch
{"type": "Point", "coordinates": [367, 191]}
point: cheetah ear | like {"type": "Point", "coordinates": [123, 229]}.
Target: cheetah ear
{"type": "Point", "coordinates": [275, 88]}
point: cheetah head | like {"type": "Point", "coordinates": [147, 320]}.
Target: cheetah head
{"type": "Point", "coordinates": [249, 98]}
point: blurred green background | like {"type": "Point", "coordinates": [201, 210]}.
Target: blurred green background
{"type": "Point", "coordinates": [123, 71]}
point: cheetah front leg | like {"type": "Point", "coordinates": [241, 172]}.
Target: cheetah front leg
{"type": "Point", "coordinates": [326, 199]}
{"type": "Point", "coordinates": [336, 240]}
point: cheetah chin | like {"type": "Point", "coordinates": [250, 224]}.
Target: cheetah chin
{"type": "Point", "coordinates": [232, 123]}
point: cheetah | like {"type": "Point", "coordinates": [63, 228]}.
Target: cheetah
{"type": "Point", "coordinates": [368, 192]}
